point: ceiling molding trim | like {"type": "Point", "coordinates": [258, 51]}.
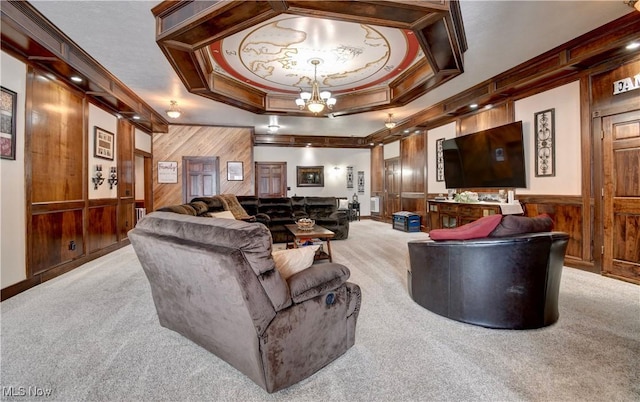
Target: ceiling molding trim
{"type": "Point", "coordinates": [589, 51]}
{"type": "Point", "coordinates": [28, 33]}
{"type": "Point", "coordinates": [184, 28]}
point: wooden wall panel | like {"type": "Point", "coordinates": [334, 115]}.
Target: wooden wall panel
{"type": "Point", "coordinates": [566, 215]}
{"type": "Point", "coordinates": [126, 161]}
{"type": "Point", "coordinates": [494, 117]}
{"type": "Point", "coordinates": [602, 97]}
{"type": "Point", "coordinates": [56, 141]}
{"type": "Point", "coordinates": [226, 143]}
{"type": "Point", "coordinates": [101, 226]}
{"type": "Point", "coordinates": [414, 163]}
{"type": "Point", "coordinates": [377, 169]}
{"type": "Point", "coordinates": [126, 217]}
{"type": "Point", "coordinates": [51, 234]}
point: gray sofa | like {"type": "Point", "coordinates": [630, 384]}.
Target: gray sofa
{"type": "Point", "coordinates": [214, 281]}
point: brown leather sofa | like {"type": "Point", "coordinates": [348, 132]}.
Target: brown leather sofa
{"type": "Point", "coordinates": [508, 282]}
{"type": "Point", "coordinates": [214, 281]}
{"type": "Point", "coordinates": [277, 212]}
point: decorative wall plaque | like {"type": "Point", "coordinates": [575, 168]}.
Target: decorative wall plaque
{"type": "Point", "coordinates": [545, 143]}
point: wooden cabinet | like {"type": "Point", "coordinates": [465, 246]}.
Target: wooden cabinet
{"type": "Point", "coordinates": [448, 214]}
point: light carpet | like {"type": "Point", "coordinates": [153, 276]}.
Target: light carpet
{"type": "Point", "coordinates": [93, 335]}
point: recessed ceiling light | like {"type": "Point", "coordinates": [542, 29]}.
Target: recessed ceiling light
{"type": "Point", "coordinates": [473, 105]}
{"type": "Point", "coordinates": [75, 78]}
{"type": "Point", "coordinates": [273, 128]}
{"type": "Point", "coordinates": [136, 117]}
{"type": "Point", "coordinates": [633, 45]}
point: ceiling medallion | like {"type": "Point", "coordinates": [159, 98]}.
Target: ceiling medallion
{"type": "Point", "coordinates": [315, 100]}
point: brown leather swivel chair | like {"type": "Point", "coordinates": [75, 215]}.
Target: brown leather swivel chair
{"type": "Point", "coordinates": [509, 282]}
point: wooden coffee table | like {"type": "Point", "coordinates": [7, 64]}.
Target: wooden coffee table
{"type": "Point", "coordinates": [317, 232]}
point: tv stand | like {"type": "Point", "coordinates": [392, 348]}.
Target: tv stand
{"type": "Point", "coordinates": [451, 214]}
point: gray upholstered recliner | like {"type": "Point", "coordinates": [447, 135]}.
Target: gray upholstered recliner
{"type": "Point", "coordinates": [214, 281]}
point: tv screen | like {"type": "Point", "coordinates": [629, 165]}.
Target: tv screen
{"type": "Point", "coordinates": [492, 158]}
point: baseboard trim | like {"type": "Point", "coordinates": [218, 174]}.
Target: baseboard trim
{"type": "Point", "coordinates": [42, 277]}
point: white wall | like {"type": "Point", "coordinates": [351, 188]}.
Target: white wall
{"type": "Point", "coordinates": [447, 131]}
{"type": "Point", "coordinates": [142, 140]}
{"type": "Point", "coordinates": [13, 231]}
{"type": "Point", "coordinates": [143, 143]}
{"type": "Point", "coordinates": [108, 122]}
{"type": "Point", "coordinates": [566, 102]}
{"type": "Point", "coordinates": [139, 177]}
{"type": "Point", "coordinates": [335, 181]}
{"type": "Point", "coordinates": [391, 150]}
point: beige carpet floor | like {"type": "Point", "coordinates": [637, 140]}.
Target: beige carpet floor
{"type": "Point", "coordinates": [93, 335]}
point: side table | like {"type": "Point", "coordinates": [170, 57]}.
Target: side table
{"type": "Point", "coordinates": [354, 210]}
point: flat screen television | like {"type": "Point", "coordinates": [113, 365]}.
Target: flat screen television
{"type": "Point", "coordinates": [492, 158]}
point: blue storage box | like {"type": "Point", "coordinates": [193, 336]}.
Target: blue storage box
{"type": "Point", "coordinates": [406, 221]}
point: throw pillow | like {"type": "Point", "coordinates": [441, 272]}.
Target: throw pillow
{"type": "Point", "coordinates": [293, 260]}
{"type": "Point", "coordinates": [474, 230]}
{"type": "Point", "coordinates": [514, 225]}
{"type": "Point", "coordinates": [223, 214]}
{"type": "Point", "coordinates": [343, 204]}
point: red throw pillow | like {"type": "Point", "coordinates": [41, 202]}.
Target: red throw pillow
{"type": "Point", "coordinates": [515, 225]}
{"type": "Point", "coordinates": [474, 230]}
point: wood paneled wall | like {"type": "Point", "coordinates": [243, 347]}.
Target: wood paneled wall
{"type": "Point", "coordinates": [413, 156]}
{"type": "Point", "coordinates": [377, 176]}
{"type": "Point", "coordinates": [566, 212]}
{"type": "Point", "coordinates": [486, 119]}
{"type": "Point", "coordinates": [65, 229]}
{"type": "Point", "coordinates": [226, 143]}
{"type": "Point", "coordinates": [55, 164]}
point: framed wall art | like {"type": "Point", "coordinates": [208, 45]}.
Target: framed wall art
{"type": "Point", "coordinates": [103, 144]}
{"type": "Point", "coordinates": [310, 176]}
{"type": "Point", "coordinates": [360, 181]}
{"type": "Point", "coordinates": [8, 101]}
{"type": "Point", "coordinates": [439, 160]}
{"type": "Point", "coordinates": [167, 172]}
{"type": "Point", "coordinates": [235, 171]}
{"type": "Point", "coordinates": [349, 176]}
{"type": "Point", "coordinates": [545, 143]}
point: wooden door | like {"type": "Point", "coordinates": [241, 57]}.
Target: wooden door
{"type": "Point", "coordinates": [392, 177]}
{"type": "Point", "coordinates": [621, 220]}
{"type": "Point", "coordinates": [200, 177]}
{"type": "Point", "coordinates": [271, 179]}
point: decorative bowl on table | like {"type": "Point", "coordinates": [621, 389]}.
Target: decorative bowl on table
{"type": "Point", "coordinates": [305, 223]}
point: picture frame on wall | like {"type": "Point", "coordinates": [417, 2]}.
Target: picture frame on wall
{"type": "Point", "coordinates": [310, 176]}
{"type": "Point", "coordinates": [104, 142]}
{"type": "Point", "coordinates": [235, 171]}
{"type": "Point", "coordinates": [167, 172]}
{"type": "Point", "coordinates": [8, 100]}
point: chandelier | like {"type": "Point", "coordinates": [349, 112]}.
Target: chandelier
{"type": "Point", "coordinates": [174, 111]}
{"type": "Point", "coordinates": [315, 100]}
{"type": "Point", "coordinates": [390, 123]}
